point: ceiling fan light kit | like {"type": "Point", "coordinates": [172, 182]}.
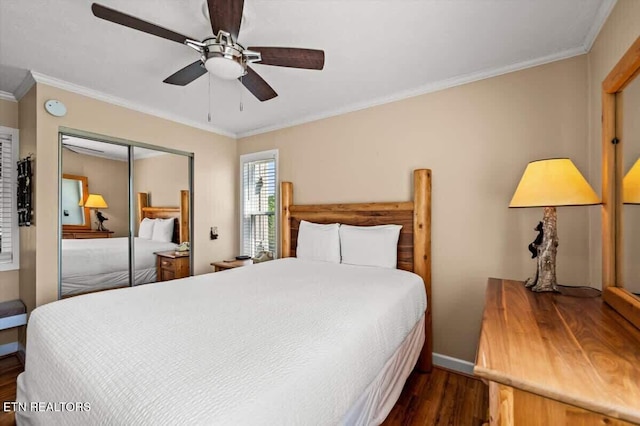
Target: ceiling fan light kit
{"type": "Point", "coordinates": [222, 55]}
{"type": "Point", "coordinates": [224, 68]}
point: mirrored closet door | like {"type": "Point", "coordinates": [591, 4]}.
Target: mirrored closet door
{"type": "Point", "coordinates": [162, 198]}
{"type": "Point", "coordinates": [125, 214]}
{"type": "Point", "coordinates": [94, 213]}
{"type": "Point", "coordinates": [631, 186]}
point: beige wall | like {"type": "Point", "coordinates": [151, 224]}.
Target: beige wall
{"type": "Point", "coordinates": [477, 139]}
{"type": "Point", "coordinates": [163, 177]}
{"type": "Point", "coordinates": [215, 177]}
{"type": "Point", "coordinates": [615, 37]}
{"type": "Point", "coordinates": [9, 280]}
{"type": "Point", "coordinates": [28, 235]}
{"type": "Point", "coordinates": [109, 178]}
{"type": "Point", "coordinates": [9, 114]}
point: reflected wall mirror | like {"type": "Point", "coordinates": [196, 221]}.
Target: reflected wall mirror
{"type": "Point", "coordinates": [621, 185]}
{"type": "Point", "coordinates": [75, 191]}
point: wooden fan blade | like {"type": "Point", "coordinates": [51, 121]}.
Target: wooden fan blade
{"type": "Point", "coordinates": [187, 74]}
{"type": "Point", "coordinates": [311, 59]}
{"type": "Point", "coordinates": [120, 18]}
{"type": "Point", "coordinates": [226, 15]}
{"type": "Point", "coordinates": [256, 85]}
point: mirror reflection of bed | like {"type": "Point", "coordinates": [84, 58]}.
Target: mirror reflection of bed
{"type": "Point", "coordinates": [95, 216]}
{"type": "Point", "coordinates": [93, 264]}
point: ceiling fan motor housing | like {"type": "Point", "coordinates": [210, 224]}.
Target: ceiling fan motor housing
{"type": "Point", "coordinates": [223, 58]}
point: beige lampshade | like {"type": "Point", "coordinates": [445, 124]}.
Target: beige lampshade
{"type": "Point", "coordinates": [95, 201]}
{"type": "Point", "coordinates": [551, 183]}
{"type": "Point", "coordinates": [631, 185]}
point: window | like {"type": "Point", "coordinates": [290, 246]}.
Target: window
{"type": "Point", "coordinates": [259, 195]}
{"type": "Point", "coordinates": [8, 199]}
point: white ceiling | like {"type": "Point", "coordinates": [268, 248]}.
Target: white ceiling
{"type": "Point", "coordinates": [376, 51]}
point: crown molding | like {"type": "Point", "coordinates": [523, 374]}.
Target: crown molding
{"type": "Point", "coordinates": [114, 100]}
{"type": "Point", "coordinates": [601, 17]}
{"type": "Point", "coordinates": [6, 96]}
{"type": "Point", "coordinates": [422, 90]}
{"type": "Point", "coordinates": [27, 83]}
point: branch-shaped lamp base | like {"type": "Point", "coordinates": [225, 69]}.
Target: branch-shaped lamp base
{"type": "Point", "coordinates": [545, 278]}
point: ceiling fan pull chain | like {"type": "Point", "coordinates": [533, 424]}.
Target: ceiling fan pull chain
{"type": "Point", "coordinates": [209, 115]}
{"type": "Point", "coordinates": [241, 104]}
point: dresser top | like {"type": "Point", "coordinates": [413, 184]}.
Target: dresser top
{"type": "Point", "coordinates": [572, 349]}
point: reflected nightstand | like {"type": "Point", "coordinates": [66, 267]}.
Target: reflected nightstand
{"type": "Point", "coordinates": [171, 265]}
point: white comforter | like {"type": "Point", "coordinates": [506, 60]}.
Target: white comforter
{"type": "Point", "coordinates": [283, 342]}
{"type": "Point", "coordinates": [104, 255]}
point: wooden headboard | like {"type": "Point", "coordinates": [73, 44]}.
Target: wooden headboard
{"type": "Point", "coordinates": [414, 245]}
{"type": "Point", "coordinates": [180, 214]}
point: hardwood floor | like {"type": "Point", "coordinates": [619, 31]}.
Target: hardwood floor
{"type": "Point", "coordinates": [10, 367]}
{"type": "Point", "coordinates": [439, 398]}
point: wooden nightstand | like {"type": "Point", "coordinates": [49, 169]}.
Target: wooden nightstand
{"type": "Point", "coordinates": [171, 266]}
{"type": "Point", "coordinates": [230, 264]}
{"type": "Point", "coordinates": [552, 359]}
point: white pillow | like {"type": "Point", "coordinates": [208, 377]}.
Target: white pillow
{"type": "Point", "coordinates": [318, 242]}
{"type": "Point", "coordinates": [370, 245]}
{"type": "Point", "coordinates": [146, 228]}
{"type": "Point", "coordinates": [163, 230]}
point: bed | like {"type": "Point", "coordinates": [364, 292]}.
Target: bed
{"type": "Point", "coordinates": [96, 264]}
{"type": "Point", "coordinates": [282, 342]}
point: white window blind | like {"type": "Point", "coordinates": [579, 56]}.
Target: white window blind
{"type": "Point", "coordinates": [8, 188]}
{"type": "Point", "coordinates": [259, 203]}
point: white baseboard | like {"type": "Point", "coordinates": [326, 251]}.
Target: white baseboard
{"type": "Point", "coordinates": [454, 364]}
{"type": "Point", "coordinates": [9, 348]}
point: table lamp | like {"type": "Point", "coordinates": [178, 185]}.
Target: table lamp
{"type": "Point", "coordinates": [550, 183]}
{"type": "Point", "coordinates": [631, 185]}
{"type": "Point", "coordinates": [96, 201]}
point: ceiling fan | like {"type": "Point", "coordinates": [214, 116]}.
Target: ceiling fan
{"type": "Point", "coordinates": [222, 55]}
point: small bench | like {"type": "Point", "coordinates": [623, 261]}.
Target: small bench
{"type": "Point", "coordinates": [13, 313]}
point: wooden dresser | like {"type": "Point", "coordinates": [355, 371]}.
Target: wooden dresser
{"type": "Point", "coordinates": [552, 359]}
{"type": "Point", "coordinates": [84, 234]}
{"type": "Point", "coordinates": [171, 266]}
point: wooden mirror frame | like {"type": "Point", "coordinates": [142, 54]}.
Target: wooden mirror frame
{"type": "Point", "coordinates": [85, 195]}
{"type": "Point", "coordinates": [623, 73]}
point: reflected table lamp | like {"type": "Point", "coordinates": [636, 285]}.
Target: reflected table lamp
{"type": "Point", "coordinates": [96, 201]}
{"type": "Point", "coordinates": [550, 183]}
{"type": "Point", "coordinates": [631, 185]}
